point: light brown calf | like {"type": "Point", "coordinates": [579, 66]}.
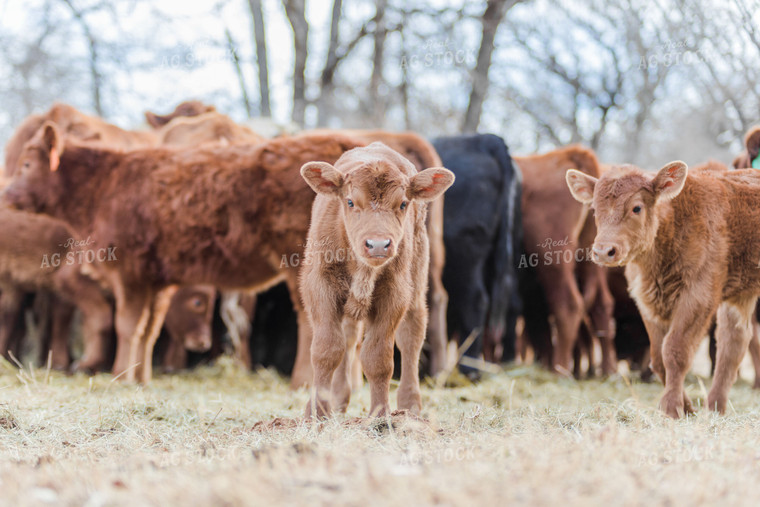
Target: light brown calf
{"type": "Point", "coordinates": [690, 244]}
{"type": "Point", "coordinates": [369, 217]}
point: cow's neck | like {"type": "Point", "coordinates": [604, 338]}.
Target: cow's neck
{"type": "Point", "coordinates": [84, 176]}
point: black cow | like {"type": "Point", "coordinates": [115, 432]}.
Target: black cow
{"type": "Point", "coordinates": [482, 232]}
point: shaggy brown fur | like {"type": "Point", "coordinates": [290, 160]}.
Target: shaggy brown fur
{"type": "Point", "coordinates": [752, 149]}
{"type": "Point", "coordinates": [550, 213]}
{"type": "Point", "coordinates": [690, 245]}
{"type": "Point", "coordinates": [26, 243]}
{"type": "Point", "coordinates": [184, 109]}
{"type": "Point", "coordinates": [370, 208]}
{"type": "Point", "coordinates": [222, 216]}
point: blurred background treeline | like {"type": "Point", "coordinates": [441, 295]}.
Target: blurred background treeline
{"type": "Point", "coordinates": [641, 81]}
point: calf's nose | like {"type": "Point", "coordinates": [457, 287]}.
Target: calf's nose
{"type": "Point", "coordinates": [377, 247]}
{"type": "Point", "coordinates": [605, 252]}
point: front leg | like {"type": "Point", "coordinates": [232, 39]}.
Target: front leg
{"type": "Point", "coordinates": [691, 318]}
{"type": "Point", "coordinates": [377, 350]}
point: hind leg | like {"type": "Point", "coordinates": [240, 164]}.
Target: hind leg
{"type": "Point", "coordinates": [733, 334]}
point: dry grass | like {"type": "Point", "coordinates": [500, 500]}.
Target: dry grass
{"type": "Point", "coordinates": [521, 436]}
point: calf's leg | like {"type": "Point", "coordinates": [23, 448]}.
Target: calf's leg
{"type": "Point", "coordinates": [10, 305]}
{"type": "Point", "coordinates": [158, 309]}
{"type": "Point", "coordinates": [342, 378]}
{"type": "Point", "coordinates": [302, 367]}
{"type": "Point", "coordinates": [689, 325]}
{"type": "Point", "coordinates": [733, 335]}
{"type": "Point", "coordinates": [377, 353]}
{"type": "Point", "coordinates": [409, 338]}
{"type": "Point", "coordinates": [327, 351]}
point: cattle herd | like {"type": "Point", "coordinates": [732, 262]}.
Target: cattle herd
{"type": "Point", "coordinates": [323, 251]}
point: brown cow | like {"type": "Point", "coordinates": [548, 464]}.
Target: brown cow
{"type": "Point", "coordinates": [690, 244]}
{"type": "Point", "coordinates": [751, 154]}
{"type": "Point", "coordinates": [369, 207]}
{"type": "Point", "coordinates": [207, 127]}
{"type": "Point", "coordinates": [188, 324]}
{"type": "Point", "coordinates": [552, 225]}
{"type": "Point", "coordinates": [220, 216]}
{"type": "Point", "coordinates": [76, 124]}
{"type": "Point", "coordinates": [188, 108]}
{"type": "Point", "coordinates": [35, 255]}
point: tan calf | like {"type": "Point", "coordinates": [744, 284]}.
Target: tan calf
{"type": "Point", "coordinates": [690, 244]}
{"type": "Point", "coordinates": [369, 218]}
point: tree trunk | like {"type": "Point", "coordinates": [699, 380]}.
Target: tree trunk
{"type": "Point", "coordinates": [492, 17]}
{"type": "Point", "coordinates": [327, 85]}
{"type": "Point", "coordinates": [238, 71]}
{"type": "Point", "coordinates": [261, 55]}
{"type": "Point", "coordinates": [376, 79]}
{"type": "Point", "coordinates": [95, 76]}
{"type": "Point", "coordinates": [295, 10]}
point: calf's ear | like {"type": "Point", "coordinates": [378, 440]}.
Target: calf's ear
{"type": "Point", "coordinates": [581, 185]}
{"type": "Point", "coordinates": [53, 143]}
{"type": "Point", "coordinates": [322, 177]}
{"type": "Point", "coordinates": [670, 180]}
{"type": "Point", "coordinates": [427, 185]}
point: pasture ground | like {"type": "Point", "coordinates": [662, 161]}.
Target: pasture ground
{"type": "Point", "coordinates": [518, 437]}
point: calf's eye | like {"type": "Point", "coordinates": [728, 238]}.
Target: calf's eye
{"type": "Point", "coordinates": [637, 209]}
{"type": "Point", "coordinates": [403, 205]}
{"type": "Point", "coordinates": [350, 203]}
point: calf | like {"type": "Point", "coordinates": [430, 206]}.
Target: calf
{"type": "Point", "coordinates": [27, 244]}
{"type": "Point", "coordinates": [483, 236]}
{"type": "Point", "coordinates": [220, 216]}
{"type": "Point", "coordinates": [690, 245]}
{"type": "Point", "coordinates": [552, 226]}
{"type": "Point", "coordinates": [422, 154]}
{"type": "Point", "coordinates": [76, 124]}
{"type": "Point", "coordinates": [188, 324]}
{"type": "Point", "coordinates": [369, 217]}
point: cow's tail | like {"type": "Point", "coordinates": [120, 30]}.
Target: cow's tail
{"type": "Point", "coordinates": [505, 301]}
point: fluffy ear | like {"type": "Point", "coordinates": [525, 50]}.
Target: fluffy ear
{"type": "Point", "coordinates": [752, 142]}
{"type": "Point", "coordinates": [322, 177]}
{"type": "Point", "coordinates": [427, 185]}
{"type": "Point", "coordinates": [581, 185]}
{"type": "Point", "coordinates": [53, 143]}
{"type": "Point", "coordinates": [670, 180]}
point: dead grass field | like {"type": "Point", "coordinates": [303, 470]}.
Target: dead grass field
{"type": "Point", "coordinates": [518, 437]}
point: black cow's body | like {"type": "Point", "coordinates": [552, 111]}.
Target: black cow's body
{"type": "Point", "coordinates": [482, 233]}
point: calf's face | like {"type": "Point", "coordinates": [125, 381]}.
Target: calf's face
{"type": "Point", "coordinates": [189, 317]}
{"type": "Point", "coordinates": [375, 193]}
{"type": "Point", "coordinates": [625, 201]}
{"type": "Point", "coordinates": [32, 184]}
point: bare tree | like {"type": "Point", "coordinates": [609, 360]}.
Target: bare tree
{"type": "Point", "coordinates": [96, 78]}
{"type": "Point", "coordinates": [260, 42]}
{"type": "Point", "coordinates": [326, 81]}
{"type": "Point", "coordinates": [295, 11]}
{"type": "Point", "coordinates": [492, 17]}
{"type": "Point", "coordinates": [378, 59]}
